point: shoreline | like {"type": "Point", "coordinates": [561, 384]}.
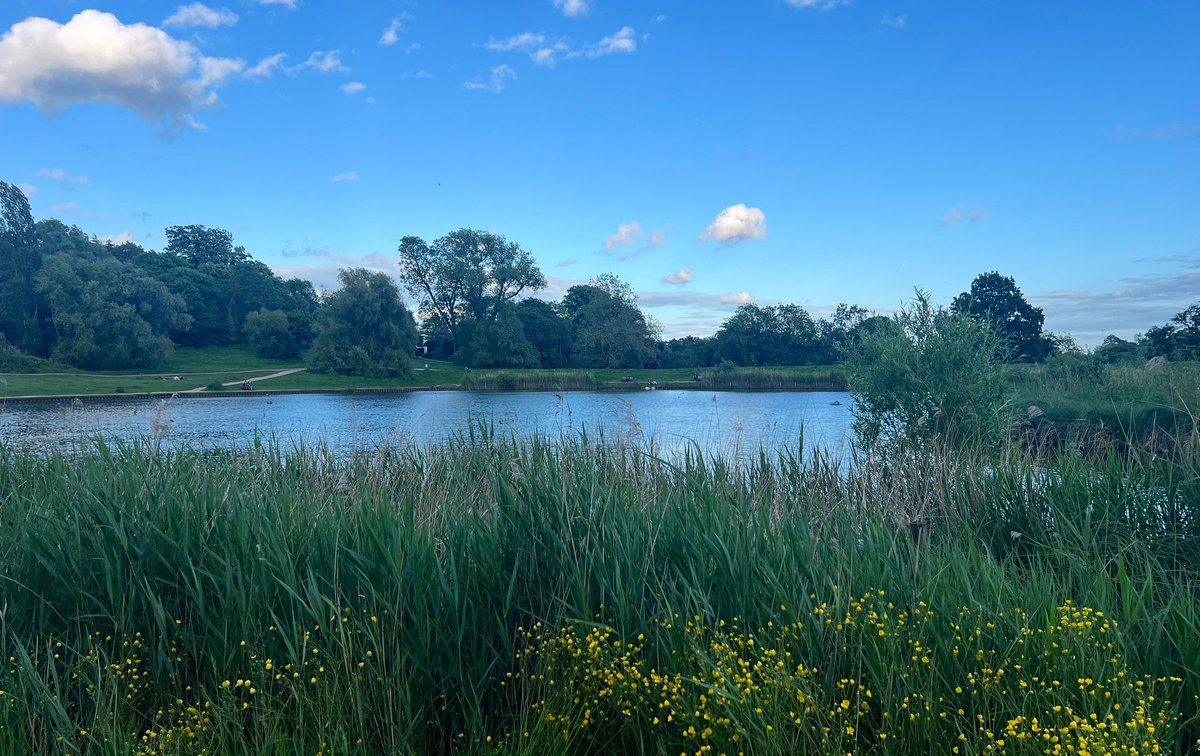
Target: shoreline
{"type": "Point", "coordinates": [85, 398]}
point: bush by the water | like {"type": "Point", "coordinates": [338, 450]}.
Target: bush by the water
{"type": "Point", "coordinates": [576, 597]}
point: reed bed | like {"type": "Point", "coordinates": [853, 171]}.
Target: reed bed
{"type": "Point", "coordinates": [528, 380]}
{"type": "Point", "coordinates": [775, 379]}
{"type": "Point", "coordinates": [579, 596]}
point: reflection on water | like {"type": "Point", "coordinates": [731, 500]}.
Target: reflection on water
{"type": "Point", "coordinates": [725, 423]}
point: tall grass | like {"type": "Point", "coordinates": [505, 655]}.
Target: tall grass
{"type": "Point", "coordinates": [775, 379]}
{"type": "Point", "coordinates": [527, 380]}
{"type": "Point", "coordinates": [573, 595]}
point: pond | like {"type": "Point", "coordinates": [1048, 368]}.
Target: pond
{"type": "Point", "coordinates": [725, 422]}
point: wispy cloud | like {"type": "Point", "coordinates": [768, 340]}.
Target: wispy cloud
{"type": "Point", "coordinates": [968, 213]}
{"type": "Point", "coordinates": [266, 68]}
{"type": "Point", "coordinates": [817, 4]}
{"type": "Point", "coordinates": [546, 51]}
{"type": "Point", "coordinates": [566, 263]}
{"type": "Point", "coordinates": [391, 34]}
{"type": "Point", "coordinates": [289, 4]}
{"type": "Point", "coordinates": [199, 14]}
{"type": "Point", "coordinates": [353, 87]}
{"type": "Point", "coordinates": [894, 22]}
{"type": "Point", "coordinates": [736, 224]}
{"type": "Point", "coordinates": [347, 176]}
{"type": "Point", "coordinates": [495, 81]}
{"type": "Point", "coordinates": [1139, 303]}
{"type": "Point", "coordinates": [58, 174]}
{"type": "Point", "coordinates": [325, 62]}
{"type": "Point", "coordinates": [573, 7]}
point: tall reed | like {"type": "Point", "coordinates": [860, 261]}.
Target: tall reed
{"type": "Point", "coordinates": [264, 599]}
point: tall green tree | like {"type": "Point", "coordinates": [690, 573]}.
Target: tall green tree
{"type": "Point", "coordinates": [499, 342]}
{"type": "Point", "coordinates": [269, 332]}
{"type": "Point", "coordinates": [608, 329]}
{"type": "Point", "coordinates": [996, 300]}
{"type": "Point", "coordinates": [547, 331]}
{"type": "Point", "coordinates": [107, 314]}
{"type": "Point", "coordinates": [364, 328]}
{"type": "Point", "coordinates": [24, 316]}
{"type": "Point", "coordinates": [201, 245]}
{"type": "Point", "coordinates": [466, 275]}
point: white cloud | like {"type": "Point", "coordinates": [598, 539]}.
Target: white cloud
{"type": "Point", "coordinates": [391, 35]}
{"type": "Point", "coordinates": [347, 176]}
{"type": "Point", "coordinates": [545, 51]}
{"type": "Point", "coordinates": [740, 298]}
{"type": "Point", "coordinates": [681, 277]}
{"type": "Point", "coordinates": [736, 224]}
{"type": "Point", "coordinates": [325, 62]}
{"type": "Point", "coordinates": [966, 213]}
{"type": "Point", "coordinates": [624, 41]}
{"type": "Point", "coordinates": [64, 207]}
{"type": "Point", "coordinates": [199, 14]}
{"type": "Point", "coordinates": [118, 239]}
{"type": "Point", "coordinates": [58, 174]}
{"type": "Point", "coordinates": [353, 87]}
{"type": "Point", "coordinates": [265, 68]}
{"type": "Point", "coordinates": [657, 238]}
{"type": "Point", "coordinates": [96, 58]}
{"type": "Point", "coordinates": [573, 7]}
{"type": "Point", "coordinates": [28, 189]}
{"type": "Point", "coordinates": [817, 4]}
{"type": "Point", "coordinates": [540, 50]}
{"type": "Point", "coordinates": [498, 78]}
{"type": "Point", "coordinates": [289, 4]}
{"type": "Point", "coordinates": [627, 233]}
{"type": "Point", "coordinates": [894, 22]}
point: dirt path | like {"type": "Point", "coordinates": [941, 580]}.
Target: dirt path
{"type": "Point", "coordinates": [254, 380]}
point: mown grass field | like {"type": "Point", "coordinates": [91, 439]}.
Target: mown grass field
{"type": "Point", "coordinates": [564, 597]}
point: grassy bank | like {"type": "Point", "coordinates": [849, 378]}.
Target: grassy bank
{"type": "Point", "coordinates": [569, 597]}
{"type": "Point", "coordinates": [201, 367]}
{"type": "Point", "coordinates": [1091, 407]}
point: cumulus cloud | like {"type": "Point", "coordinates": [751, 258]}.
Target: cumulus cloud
{"type": "Point", "coordinates": [266, 68]}
{"type": "Point", "coordinates": [496, 80]}
{"type": "Point", "coordinates": [118, 239]}
{"type": "Point", "coordinates": [681, 277]}
{"type": "Point", "coordinates": [627, 233]}
{"type": "Point", "coordinates": [353, 87]}
{"type": "Point", "coordinates": [58, 174]}
{"type": "Point", "coordinates": [573, 7]}
{"type": "Point", "coordinates": [961, 212]}
{"type": "Point", "coordinates": [347, 176]}
{"type": "Point", "coordinates": [199, 14]}
{"type": "Point", "coordinates": [96, 58]}
{"type": "Point", "coordinates": [736, 224]}
{"type": "Point", "coordinates": [740, 298]}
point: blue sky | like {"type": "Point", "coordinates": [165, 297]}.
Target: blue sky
{"type": "Point", "coordinates": [807, 151]}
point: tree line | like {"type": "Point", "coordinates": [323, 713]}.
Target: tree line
{"type": "Point", "coordinates": [79, 301]}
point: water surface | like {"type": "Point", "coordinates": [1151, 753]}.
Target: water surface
{"type": "Point", "coordinates": [723, 422]}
